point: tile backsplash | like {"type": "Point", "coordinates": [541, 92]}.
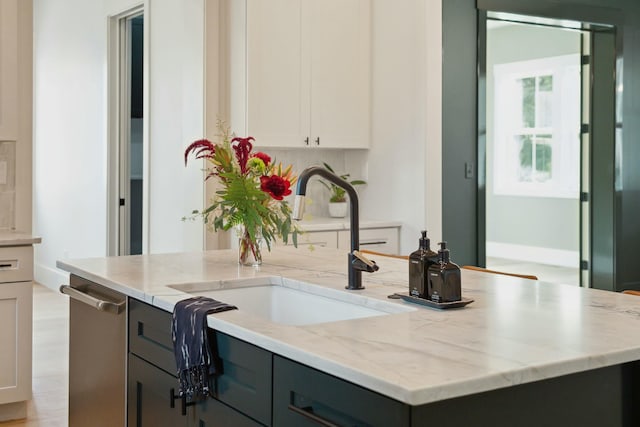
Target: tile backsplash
{"type": "Point", "coordinates": [7, 184]}
{"type": "Point", "coordinates": [342, 161]}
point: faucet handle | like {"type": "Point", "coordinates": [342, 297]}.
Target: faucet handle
{"type": "Point", "coordinates": [363, 263]}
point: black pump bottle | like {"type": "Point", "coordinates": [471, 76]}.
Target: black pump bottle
{"type": "Point", "coordinates": [444, 278]}
{"type": "Point", "coordinates": [419, 262]}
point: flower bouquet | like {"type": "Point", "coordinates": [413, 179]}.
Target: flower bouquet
{"type": "Point", "coordinates": [251, 193]}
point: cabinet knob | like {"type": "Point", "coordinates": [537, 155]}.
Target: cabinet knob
{"type": "Point", "coordinates": [306, 141]}
{"type": "Point", "coordinates": [318, 140]}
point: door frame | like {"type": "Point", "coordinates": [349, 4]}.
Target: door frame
{"type": "Point", "coordinates": [602, 48]}
{"type": "Point", "coordinates": [117, 37]}
{"type": "Point", "coordinates": [462, 225]}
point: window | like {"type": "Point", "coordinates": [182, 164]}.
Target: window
{"type": "Point", "coordinates": [536, 127]}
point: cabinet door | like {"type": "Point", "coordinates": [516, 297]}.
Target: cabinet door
{"type": "Point", "coordinates": [212, 413]}
{"type": "Point", "coordinates": [149, 396]}
{"type": "Point", "coordinates": [275, 86]}
{"type": "Point", "coordinates": [8, 70]}
{"type": "Point", "coordinates": [340, 72]}
{"type": "Point", "coordinates": [307, 73]}
{"type": "Point", "coordinates": [303, 396]}
{"type": "Point", "coordinates": [15, 336]}
{"type": "Point", "coordinates": [245, 383]}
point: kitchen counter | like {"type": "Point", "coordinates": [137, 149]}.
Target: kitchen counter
{"type": "Point", "coordinates": [516, 331]}
{"type": "Point", "coordinates": [17, 238]}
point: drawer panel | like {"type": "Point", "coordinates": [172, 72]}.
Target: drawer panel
{"type": "Point", "coordinates": [245, 383]}
{"type": "Point", "coordinates": [304, 396]}
{"type": "Point", "coordinates": [325, 239]}
{"type": "Point", "coordinates": [16, 264]}
{"type": "Point", "coordinates": [378, 239]}
{"type": "Point", "coordinates": [150, 335]}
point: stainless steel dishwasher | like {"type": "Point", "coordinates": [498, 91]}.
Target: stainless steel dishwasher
{"type": "Point", "coordinates": [97, 354]}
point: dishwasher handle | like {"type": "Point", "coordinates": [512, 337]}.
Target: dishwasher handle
{"type": "Point", "coordinates": [98, 304]}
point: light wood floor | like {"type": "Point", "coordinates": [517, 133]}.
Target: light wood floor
{"type": "Point", "coordinates": [49, 405]}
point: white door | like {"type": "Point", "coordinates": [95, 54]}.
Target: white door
{"type": "Point", "coordinates": [127, 152]}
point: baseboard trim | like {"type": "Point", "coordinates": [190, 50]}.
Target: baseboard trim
{"type": "Point", "coordinates": [52, 278]}
{"type": "Point", "coordinates": [534, 254]}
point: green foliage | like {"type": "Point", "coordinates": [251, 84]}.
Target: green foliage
{"type": "Point", "coordinates": [338, 194]}
{"type": "Point", "coordinates": [240, 200]}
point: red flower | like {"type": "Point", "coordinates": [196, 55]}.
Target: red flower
{"type": "Point", "coordinates": [203, 148]}
{"type": "Point", "coordinates": [276, 186]}
{"type": "Point", "coordinates": [242, 147]}
{"type": "Point", "coordinates": [264, 157]}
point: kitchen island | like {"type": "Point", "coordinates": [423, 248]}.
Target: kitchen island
{"type": "Point", "coordinates": [523, 353]}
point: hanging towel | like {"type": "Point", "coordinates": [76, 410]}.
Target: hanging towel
{"type": "Point", "coordinates": [194, 360]}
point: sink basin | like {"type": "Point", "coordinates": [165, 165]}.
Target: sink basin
{"type": "Point", "coordinates": [290, 302]}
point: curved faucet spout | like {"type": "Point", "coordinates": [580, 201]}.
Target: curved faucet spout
{"type": "Point", "coordinates": [355, 269]}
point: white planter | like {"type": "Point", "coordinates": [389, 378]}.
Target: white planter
{"type": "Point", "coordinates": [338, 209]}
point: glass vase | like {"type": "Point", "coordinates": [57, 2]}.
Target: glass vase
{"type": "Point", "coordinates": [249, 249]}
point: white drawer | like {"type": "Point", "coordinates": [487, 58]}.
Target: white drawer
{"type": "Point", "coordinates": [378, 239]}
{"type": "Point", "coordinates": [325, 239]}
{"type": "Point", "coordinates": [16, 264]}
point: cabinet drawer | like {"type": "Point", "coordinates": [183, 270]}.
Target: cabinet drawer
{"type": "Point", "coordinates": [16, 264]}
{"type": "Point", "coordinates": [304, 396]}
{"type": "Point", "coordinates": [378, 239]}
{"type": "Point", "coordinates": [325, 239]}
{"type": "Point", "coordinates": [150, 335]}
{"type": "Point", "coordinates": [245, 382]}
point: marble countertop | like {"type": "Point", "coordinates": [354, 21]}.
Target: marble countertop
{"type": "Point", "coordinates": [330, 224]}
{"type": "Point", "coordinates": [17, 238]}
{"type": "Point", "coordinates": [516, 331]}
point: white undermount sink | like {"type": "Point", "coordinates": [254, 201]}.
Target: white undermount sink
{"type": "Point", "coordinates": [290, 302]}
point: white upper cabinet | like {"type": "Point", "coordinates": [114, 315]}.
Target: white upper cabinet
{"type": "Point", "coordinates": [307, 73]}
{"type": "Point", "coordinates": [8, 70]}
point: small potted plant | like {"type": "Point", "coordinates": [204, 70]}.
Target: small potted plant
{"type": "Point", "coordinates": [338, 199]}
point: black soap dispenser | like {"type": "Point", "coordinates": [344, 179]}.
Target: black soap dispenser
{"type": "Point", "coordinates": [444, 278]}
{"type": "Point", "coordinates": [419, 263]}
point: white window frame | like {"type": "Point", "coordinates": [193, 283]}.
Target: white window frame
{"type": "Point", "coordinates": [565, 127]}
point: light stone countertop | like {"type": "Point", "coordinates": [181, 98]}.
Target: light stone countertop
{"type": "Point", "coordinates": [516, 331]}
{"type": "Point", "coordinates": [17, 238]}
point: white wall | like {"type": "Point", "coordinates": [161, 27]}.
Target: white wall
{"type": "Point", "coordinates": [70, 127]}
{"type": "Point", "coordinates": [397, 160]}
{"type": "Point", "coordinates": [70, 122]}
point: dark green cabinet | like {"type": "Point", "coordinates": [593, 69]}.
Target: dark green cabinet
{"type": "Point", "coordinates": [303, 396]}
{"type": "Point", "coordinates": [241, 393]}
{"type": "Point", "coordinates": [149, 396]}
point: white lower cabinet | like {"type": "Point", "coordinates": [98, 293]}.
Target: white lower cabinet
{"type": "Point", "coordinates": [16, 307]}
{"type": "Point", "coordinates": [383, 239]}
{"type": "Point", "coordinates": [325, 239]}
{"type": "Point", "coordinates": [376, 239]}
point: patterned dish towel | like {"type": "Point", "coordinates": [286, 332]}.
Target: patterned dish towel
{"type": "Point", "coordinates": [190, 344]}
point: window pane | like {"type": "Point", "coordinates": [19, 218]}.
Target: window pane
{"type": "Point", "coordinates": [544, 158]}
{"type": "Point", "coordinates": [546, 83]}
{"type": "Point", "coordinates": [526, 157]}
{"type": "Point", "coordinates": [528, 102]}
{"type": "Point", "coordinates": [544, 104]}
